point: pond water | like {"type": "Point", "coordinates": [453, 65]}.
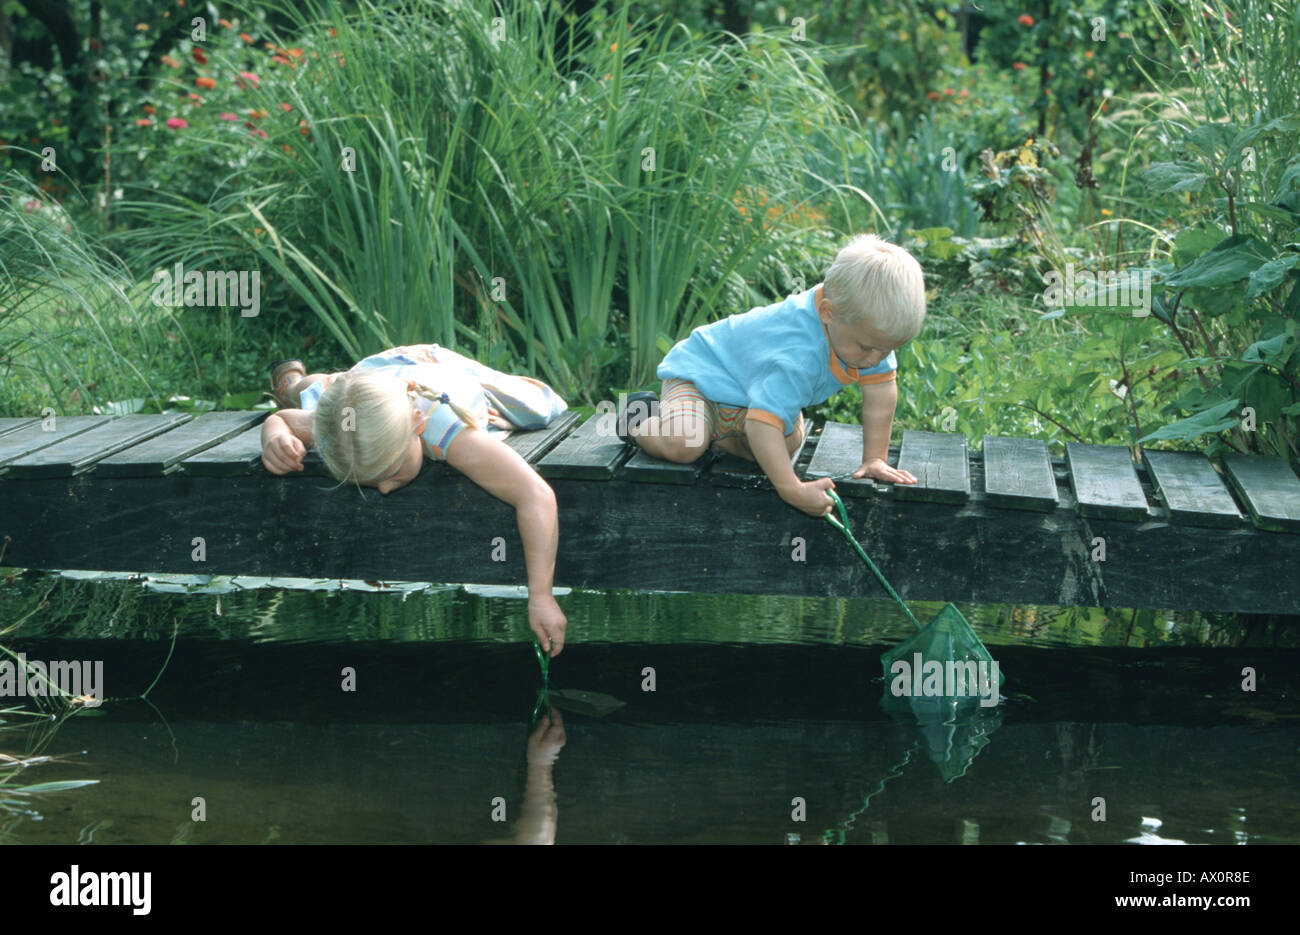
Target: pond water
{"type": "Point", "coordinates": [765, 724]}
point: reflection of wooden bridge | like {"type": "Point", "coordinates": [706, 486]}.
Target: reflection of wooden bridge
{"type": "Point", "coordinates": [137, 493]}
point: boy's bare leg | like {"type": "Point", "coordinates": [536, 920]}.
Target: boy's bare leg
{"type": "Point", "coordinates": [680, 439]}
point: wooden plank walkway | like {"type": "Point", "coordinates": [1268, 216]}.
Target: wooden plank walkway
{"type": "Point", "coordinates": [1005, 523]}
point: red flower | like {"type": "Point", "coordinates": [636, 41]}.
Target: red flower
{"type": "Point", "coordinates": [176, 123]}
{"type": "Point", "coordinates": [170, 62]}
{"type": "Point", "coordinates": [246, 37]}
{"type": "Point", "coordinates": [205, 83]}
{"type": "Point", "coordinates": [285, 106]}
{"type": "Point", "coordinates": [1025, 20]}
{"type": "Point", "coordinates": [144, 122]}
{"type": "Point", "coordinates": [150, 109]}
{"type": "Point", "coordinates": [949, 91]}
{"type": "Point", "coordinates": [932, 95]}
{"type": "Point", "coordinates": [199, 56]}
{"type": "Point", "coordinates": [1018, 66]}
{"type": "Point", "coordinates": [257, 132]}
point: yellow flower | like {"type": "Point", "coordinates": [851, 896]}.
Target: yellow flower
{"type": "Point", "coordinates": [1106, 212]}
{"type": "Point", "coordinates": [142, 27]}
{"type": "Point", "coordinates": [614, 47]}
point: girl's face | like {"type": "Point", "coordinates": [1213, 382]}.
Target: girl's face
{"type": "Point", "coordinates": [407, 467]}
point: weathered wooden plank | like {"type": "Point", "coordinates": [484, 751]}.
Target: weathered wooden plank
{"type": "Point", "coordinates": [645, 536]}
{"type": "Point", "coordinates": [1018, 473]}
{"type": "Point", "coordinates": [940, 465]}
{"type": "Point", "coordinates": [1105, 483]}
{"type": "Point", "coordinates": [11, 425]}
{"type": "Point", "coordinates": [645, 469]}
{"type": "Point", "coordinates": [732, 471]}
{"type": "Point", "coordinates": [79, 453]}
{"type": "Point", "coordinates": [1269, 488]}
{"type": "Point", "coordinates": [164, 452]}
{"type": "Point", "coordinates": [532, 445]}
{"type": "Point", "coordinates": [591, 452]}
{"type": "Point", "coordinates": [233, 457]}
{"type": "Point", "coordinates": [30, 438]}
{"type": "Point", "coordinates": [838, 454]}
{"type": "Point", "coordinates": [1191, 488]}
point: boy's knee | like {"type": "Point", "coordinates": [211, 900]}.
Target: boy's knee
{"type": "Point", "coordinates": [681, 451]}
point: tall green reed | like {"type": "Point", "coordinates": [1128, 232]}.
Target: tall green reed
{"type": "Point", "coordinates": [74, 330]}
{"type": "Point", "coordinates": [554, 218]}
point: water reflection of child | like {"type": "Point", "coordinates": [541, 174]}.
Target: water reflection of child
{"type": "Point", "coordinates": [538, 814]}
{"type": "Point", "coordinates": [374, 425]}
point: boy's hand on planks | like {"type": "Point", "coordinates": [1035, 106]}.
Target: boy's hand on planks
{"type": "Point", "coordinates": [879, 469]}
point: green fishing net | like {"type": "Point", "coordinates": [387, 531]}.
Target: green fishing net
{"type": "Point", "coordinates": [944, 665]}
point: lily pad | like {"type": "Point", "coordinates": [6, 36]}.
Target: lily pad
{"type": "Point", "coordinates": [592, 704]}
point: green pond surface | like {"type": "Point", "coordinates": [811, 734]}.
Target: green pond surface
{"type": "Point", "coordinates": [765, 724]}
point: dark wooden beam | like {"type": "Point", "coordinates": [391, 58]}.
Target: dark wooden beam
{"type": "Point", "coordinates": [617, 533]}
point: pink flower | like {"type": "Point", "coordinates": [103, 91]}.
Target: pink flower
{"type": "Point", "coordinates": [176, 123]}
{"type": "Point", "coordinates": [257, 132]}
{"type": "Point", "coordinates": [245, 79]}
{"type": "Point", "coordinates": [227, 115]}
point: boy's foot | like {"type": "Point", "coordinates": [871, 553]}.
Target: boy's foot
{"type": "Point", "coordinates": [284, 374]}
{"type": "Point", "coordinates": [636, 408]}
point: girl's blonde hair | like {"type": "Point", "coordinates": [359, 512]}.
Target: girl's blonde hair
{"type": "Point", "coordinates": [878, 282]}
{"type": "Point", "coordinates": [362, 422]}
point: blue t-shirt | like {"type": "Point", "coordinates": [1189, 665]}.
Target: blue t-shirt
{"type": "Point", "coordinates": [773, 361]}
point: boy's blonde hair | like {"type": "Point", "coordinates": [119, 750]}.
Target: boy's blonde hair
{"type": "Point", "coordinates": [876, 281]}
{"type": "Point", "coordinates": [362, 423]}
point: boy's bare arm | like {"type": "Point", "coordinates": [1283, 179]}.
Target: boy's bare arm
{"type": "Point", "coordinates": [768, 446]}
{"type": "Point", "coordinates": [878, 403]}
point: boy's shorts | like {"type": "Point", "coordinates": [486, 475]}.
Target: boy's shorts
{"type": "Point", "coordinates": [679, 399]}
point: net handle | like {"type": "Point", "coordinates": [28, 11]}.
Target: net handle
{"type": "Point", "coordinates": [842, 525]}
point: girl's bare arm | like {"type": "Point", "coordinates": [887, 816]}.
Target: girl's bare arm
{"type": "Point", "coordinates": [500, 471]}
{"type": "Point", "coordinates": [286, 434]}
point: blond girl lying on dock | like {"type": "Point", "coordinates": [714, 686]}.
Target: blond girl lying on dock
{"type": "Point", "coordinates": [373, 425]}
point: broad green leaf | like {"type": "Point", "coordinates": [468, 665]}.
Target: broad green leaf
{"type": "Point", "coordinates": [1191, 242]}
{"type": "Point", "coordinates": [1165, 178]}
{"type": "Point", "coordinates": [1269, 276]}
{"type": "Point", "coordinates": [1209, 422]}
{"type": "Point", "coordinates": [1275, 351]}
{"type": "Point", "coordinates": [1232, 260]}
{"type": "Point", "coordinates": [593, 704]}
{"type": "Point", "coordinates": [241, 400]}
{"type": "Point", "coordinates": [1210, 138]}
{"type": "Point", "coordinates": [121, 407]}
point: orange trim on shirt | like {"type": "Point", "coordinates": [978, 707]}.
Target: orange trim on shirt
{"type": "Point", "coordinates": [767, 418]}
{"type": "Point", "coordinates": [869, 378]}
{"type": "Point", "coordinates": [845, 375]}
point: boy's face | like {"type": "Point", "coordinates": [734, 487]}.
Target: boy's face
{"type": "Point", "coordinates": [857, 343]}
